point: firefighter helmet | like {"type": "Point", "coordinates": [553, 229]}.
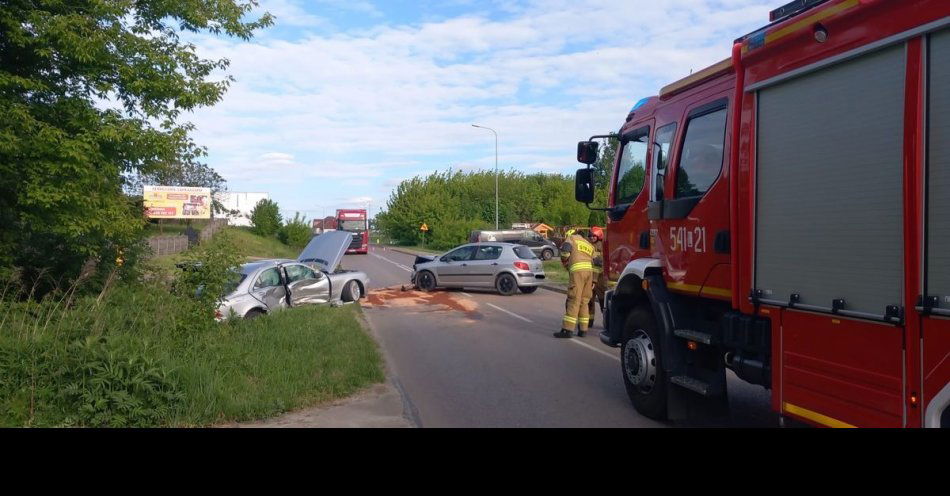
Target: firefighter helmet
{"type": "Point", "coordinates": [597, 232]}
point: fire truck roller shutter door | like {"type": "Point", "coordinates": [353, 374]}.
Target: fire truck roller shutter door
{"type": "Point", "coordinates": [829, 178]}
{"type": "Point", "coordinates": [938, 175]}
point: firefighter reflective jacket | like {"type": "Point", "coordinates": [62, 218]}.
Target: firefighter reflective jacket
{"type": "Point", "coordinates": [598, 257]}
{"type": "Point", "coordinates": [577, 254]}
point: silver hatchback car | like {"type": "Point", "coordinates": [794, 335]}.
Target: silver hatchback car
{"type": "Point", "coordinates": [506, 267]}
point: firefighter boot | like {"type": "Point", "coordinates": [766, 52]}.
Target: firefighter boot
{"type": "Point", "coordinates": [564, 333]}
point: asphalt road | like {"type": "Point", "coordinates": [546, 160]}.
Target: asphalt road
{"type": "Point", "coordinates": [477, 359]}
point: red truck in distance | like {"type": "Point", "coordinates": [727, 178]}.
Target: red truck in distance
{"type": "Point", "coordinates": [356, 222]}
{"type": "Point", "coordinates": [782, 215]}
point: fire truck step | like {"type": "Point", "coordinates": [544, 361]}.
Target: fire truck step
{"type": "Point", "coordinates": [694, 385]}
{"type": "Point", "coordinates": [700, 337]}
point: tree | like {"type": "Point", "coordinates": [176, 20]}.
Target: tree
{"type": "Point", "coordinates": [265, 218]}
{"type": "Point", "coordinates": [453, 203]}
{"type": "Point", "coordinates": [296, 232]}
{"type": "Point", "coordinates": [91, 93]}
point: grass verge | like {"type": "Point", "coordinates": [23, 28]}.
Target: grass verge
{"type": "Point", "coordinates": [555, 272]}
{"type": "Point", "coordinates": [139, 357]}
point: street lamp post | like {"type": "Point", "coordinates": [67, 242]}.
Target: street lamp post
{"type": "Point", "coordinates": [496, 170]}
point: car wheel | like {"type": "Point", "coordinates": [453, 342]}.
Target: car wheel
{"type": "Point", "coordinates": [425, 281]}
{"type": "Point", "coordinates": [547, 255]}
{"type": "Point", "coordinates": [641, 362]}
{"type": "Point", "coordinates": [352, 292]}
{"type": "Point", "coordinates": [528, 289]}
{"type": "Point", "coordinates": [253, 314]}
{"type": "Point", "coordinates": [506, 284]}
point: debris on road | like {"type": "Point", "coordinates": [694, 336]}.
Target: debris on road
{"type": "Point", "coordinates": [435, 301]}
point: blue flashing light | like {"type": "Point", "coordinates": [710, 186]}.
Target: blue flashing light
{"type": "Point", "coordinates": [639, 104]}
{"type": "Point", "coordinates": [756, 40]}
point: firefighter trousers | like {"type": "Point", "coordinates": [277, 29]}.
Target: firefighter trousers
{"type": "Point", "coordinates": [578, 297]}
{"type": "Point", "coordinates": [597, 297]}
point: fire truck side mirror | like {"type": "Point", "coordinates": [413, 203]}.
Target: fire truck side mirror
{"type": "Point", "coordinates": [584, 185]}
{"type": "Point", "coordinates": [587, 152]}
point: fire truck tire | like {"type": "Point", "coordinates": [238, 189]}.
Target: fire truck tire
{"type": "Point", "coordinates": [425, 281]}
{"type": "Point", "coordinates": [641, 364]}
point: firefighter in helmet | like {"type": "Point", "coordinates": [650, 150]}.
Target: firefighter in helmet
{"type": "Point", "coordinates": [599, 275]}
{"type": "Point", "coordinates": [577, 256]}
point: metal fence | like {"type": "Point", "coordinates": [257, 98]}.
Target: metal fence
{"type": "Point", "coordinates": [169, 245]}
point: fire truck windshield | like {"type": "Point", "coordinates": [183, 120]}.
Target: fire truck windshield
{"type": "Point", "coordinates": [353, 225]}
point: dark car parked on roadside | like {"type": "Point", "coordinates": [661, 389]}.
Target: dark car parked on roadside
{"type": "Point", "coordinates": [542, 248]}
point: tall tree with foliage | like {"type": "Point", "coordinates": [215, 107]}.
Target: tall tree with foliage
{"type": "Point", "coordinates": [453, 203]}
{"type": "Point", "coordinates": [91, 92]}
{"type": "Point", "coordinates": [265, 218]}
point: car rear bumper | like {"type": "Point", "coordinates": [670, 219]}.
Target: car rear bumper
{"type": "Point", "coordinates": [528, 279]}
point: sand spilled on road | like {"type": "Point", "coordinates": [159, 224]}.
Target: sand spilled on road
{"type": "Point", "coordinates": [435, 301]}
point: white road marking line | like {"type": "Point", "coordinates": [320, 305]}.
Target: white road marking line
{"type": "Point", "coordinates": [575, 341]}
{"type": "Point", "coordinates": [598, 350]}
{"type": "Point", "coordinates": [496, 307]}
{"type": "Point", "coordinates": [401, 266]}
{"type": "Point", "coordinates": [466, 294]}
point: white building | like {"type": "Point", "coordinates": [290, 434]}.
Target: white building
{"type": "Point", "coordinates": [242, 202]}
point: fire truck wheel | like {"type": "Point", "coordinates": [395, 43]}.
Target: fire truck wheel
{"type": "Point", "coordinates": [640, 360]}
{"type": "Point", "coordinates": [506, 284]}
{"type": "Point", "coordinates": [425, 281]}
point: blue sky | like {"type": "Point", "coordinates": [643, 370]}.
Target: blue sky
{"type": "Point", "coordinates": [340, 100]}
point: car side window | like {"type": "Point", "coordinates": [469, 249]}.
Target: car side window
{"type": "Point", "coordinates": [461, 254]}
{"type": "Point", "coordinates": [701, 158]}
{"type": "Point", "coordinates": [488, 253]}
{"type": "Point", "coordinates": [298, 273]}
{"type": "Point", "coordinates": [268, 278]}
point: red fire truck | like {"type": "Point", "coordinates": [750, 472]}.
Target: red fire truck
{"type": "Point", "coordinates": [785, 214]}
{"type": "Point", "coordinates": [357, 222]}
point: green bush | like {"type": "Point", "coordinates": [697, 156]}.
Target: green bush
{"type": "Point", "coordinates": [449, 234]}
{"type": "Point", "coordinates": [296, 232]}
{"type": "Point", "coordinates": [265, 218]}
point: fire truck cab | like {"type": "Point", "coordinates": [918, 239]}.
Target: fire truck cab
{"type": "Point", "coordinates": [785, 214]}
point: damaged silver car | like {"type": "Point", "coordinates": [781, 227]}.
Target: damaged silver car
{"type": "Point", "coordinates": [314, 278]}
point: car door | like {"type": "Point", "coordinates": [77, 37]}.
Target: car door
{"type": "Point", "coordinates": [305, 286]}
{"type": "Point", "coordinates": [454, 267]}
{"type": "Point", "coordinates": [269, 289]}
{"type": "Point", "coordinates": [484, 266]}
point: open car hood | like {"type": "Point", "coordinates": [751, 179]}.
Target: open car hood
{"type": "Point", "coordinates": [326, 250]}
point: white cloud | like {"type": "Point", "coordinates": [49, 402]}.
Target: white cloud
{"type": "Point", "coordinates": [372, 106]}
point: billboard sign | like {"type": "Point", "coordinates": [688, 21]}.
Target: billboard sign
{"type": "Point", "coordinates": [177, 202]}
